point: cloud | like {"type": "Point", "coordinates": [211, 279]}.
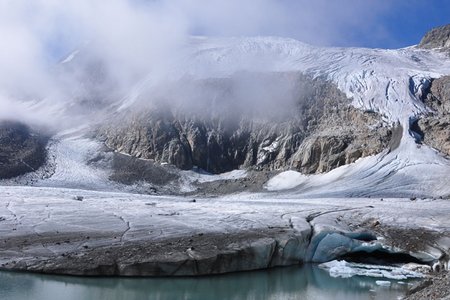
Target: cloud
{"type": "Point", "coordinates": [123, 40]}
{"type": "Point", "coordinates": [126, 38]}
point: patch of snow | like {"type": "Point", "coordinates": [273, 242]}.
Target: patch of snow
{"type": "Point", "coordinates": [272, 147]}
{"type": "Point", "coordinates": [285, 181]}
{"type": "Point", "coordinates": [206, 177]}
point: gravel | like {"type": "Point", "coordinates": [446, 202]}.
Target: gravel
{"type": "Point", "coordinates": [437, 287]}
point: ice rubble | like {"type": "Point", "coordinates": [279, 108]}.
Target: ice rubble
{"type": "Point", "coordinates": [344, 269]}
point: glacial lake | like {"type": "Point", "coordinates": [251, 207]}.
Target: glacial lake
{"type": "Point", "coordinates": [298, 282]}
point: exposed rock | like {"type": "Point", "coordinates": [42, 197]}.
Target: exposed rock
{"type": "Point", "coordinates": [436, 38]}
{"type": "Point", "coordinates": [254, 183]}
{"type": "Point", "coordinates": [313, 129]}
{"type": "Point", "coordinates": [436, 132]}
{"type": "Point", "coordinates": [21, 149]}
{"type": "Point", "coordinates": [130, 170]}
{"type": "Point", "coordinates": [432, 289]}
{"type": "Point", "coordinates": [438, 97]}
{"type": "Point", "coordinates": [434, 129]}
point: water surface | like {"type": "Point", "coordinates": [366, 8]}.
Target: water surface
{"type": "Point", "coordinates": [299, 282]}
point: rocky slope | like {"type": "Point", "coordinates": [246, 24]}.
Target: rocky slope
{"type": "Point", "coordinates": [435, 288]}
{"type": "Point", "coordinates": [437, 38]}
{"type": "Point", "coordinates": [310, 127]}
{"type": "Point", "coordinates": [434, 128]}
{"type": "Point", "coordinates": [22, 150]}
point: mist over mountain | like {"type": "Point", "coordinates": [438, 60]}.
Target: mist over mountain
{"type": "Point", "coordinates": [267, 104]}
{"type": "Point", "coordinates": [121, 44]}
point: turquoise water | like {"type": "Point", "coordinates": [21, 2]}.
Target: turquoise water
{"type": "Point", "coordinates": [300, 282]}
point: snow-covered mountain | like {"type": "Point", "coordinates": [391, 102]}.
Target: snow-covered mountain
{"type": "Point", "coordinates": [212, 107]}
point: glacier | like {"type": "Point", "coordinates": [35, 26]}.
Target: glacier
{"type": "Point", "coordinates": [115, 230]}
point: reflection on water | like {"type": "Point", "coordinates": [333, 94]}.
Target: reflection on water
{"type": "Point", "coordinates": [305, 282]}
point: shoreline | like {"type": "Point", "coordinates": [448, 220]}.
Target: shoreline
{"type": "Point", "coordinates": [436, 287]}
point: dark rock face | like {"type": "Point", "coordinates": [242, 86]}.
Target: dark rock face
{"type": "Point", "coordinates": [436, 38]}
{"type": "Point", "coordinates": [309, 126]}
{"type": "Point", "coordinates": [438, 97]}
{"type": "Point", "coordinates": [21, 149]}
{"type": "Point", "coordinates": [435, 128]}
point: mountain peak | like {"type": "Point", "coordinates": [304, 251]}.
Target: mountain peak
{"type": "Point", "coordinates": [438, 37]}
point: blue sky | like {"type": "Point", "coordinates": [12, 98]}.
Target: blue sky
{"type": "Point", "coordinates": [406, 23]}
{"type": "Point", "coordinates": [348, 23]}
{"type": "Point", "coordinates": [56, 28]}
{"type": "Point", "coordinates": [360, 23]}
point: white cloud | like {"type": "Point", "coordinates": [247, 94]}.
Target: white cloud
{"type": "Point", "coordinates": [131, 37]}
